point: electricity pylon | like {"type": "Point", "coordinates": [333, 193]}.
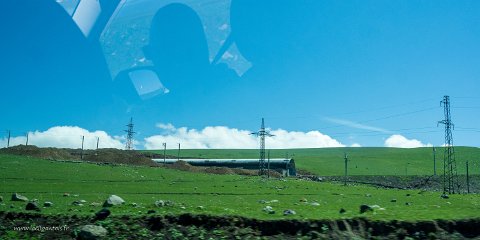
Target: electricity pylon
{"type": "Point", "coordinates": [262, 133]}
{"type": "Point", "coordinates": [450, 177]}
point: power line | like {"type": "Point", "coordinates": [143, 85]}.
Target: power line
{"type": "Point", "coordinates": [468, 128]}
{"type": "Point", "coordinates": [399, 115]}
{"type": "Point", "coordinates": [387, 107]}
{"type": "Point", "coordinates": [303, 116]}
{"type": "Point", "coordinates": [382, 133]}
{"type": "Point", "coordinates": [386, 117]}
{"type": "Point", "coordinates": [467, 97]}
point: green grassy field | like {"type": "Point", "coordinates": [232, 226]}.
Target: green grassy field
{"type": "Point", "coordinates": [362, 161]}
{"type": "Point", "coordinates": [47, 180]}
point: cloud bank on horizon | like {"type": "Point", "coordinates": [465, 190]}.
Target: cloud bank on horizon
{"type": "Point", "coordinates": [399, 141]}
{"type": "Point", "coordinates": [225, 137]}
{"type": "Point", "coordinates": [211, 137]}
{"type": "Point", "coordinates": [67, 137]}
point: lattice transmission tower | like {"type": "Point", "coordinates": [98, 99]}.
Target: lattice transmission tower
{"type": "Point", "coordinates": [130, 133]}
{"type": "Point", "coordinates": [262, 133]}
{"type": "Point", "coordinates": [450, 177]}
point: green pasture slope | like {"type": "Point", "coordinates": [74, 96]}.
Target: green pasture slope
{"type": "Point", "coordinates": [362, 161]}
{"type": "Point", "coordinates": [47, 180]}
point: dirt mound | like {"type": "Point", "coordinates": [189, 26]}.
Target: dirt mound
{"type": "Point", "coordinates": [246, 172]}
{"type": "Point", "coordinates": [46, 153]}
{"type": "Point", "coordinates": [105, 155]}
{"type": "Point", "coordinates": [117, 156]}
{"type": "Point", "coordinates": [184, 166]}
{"type": "Point", "coordinates": [219, 170]}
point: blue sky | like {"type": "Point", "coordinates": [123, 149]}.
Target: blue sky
{"type": "Point", "coordinates": [321, 73]}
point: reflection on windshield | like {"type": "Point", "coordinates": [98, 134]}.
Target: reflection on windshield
{"type": "Point", "coordinates": [86, 15]}
{"type": "Point", "coordinates": [147, 83]}
{"type": "Point", "coordinates": [68, 5]}
{"type": "Point", "coordinates": [128, 32]}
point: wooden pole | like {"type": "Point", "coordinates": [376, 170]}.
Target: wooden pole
{"type": "Point", "coordinates": [268, 165]}
{"type": "Point", "coordinates": [81, 154]}
{"type": "Point", "coordinates": [468, 180]}
{"type": "Point", "coordinates": [164, 154]}
{"type": "Point", "coordinates": [434, 162]}
{"type": "Point", "coordinates": [346, 163]}
{"type": "Point", "coordinates": [8, 141]}
{"type": "Point", "coordinates": [178, 155]}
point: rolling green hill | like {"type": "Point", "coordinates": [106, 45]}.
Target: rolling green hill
{"type": "Point", "coordinates": [219, 198]}
{"type": "Point", "coordinates": [362, 161]}
{"type": "Point", "coordinates": [48, 180]}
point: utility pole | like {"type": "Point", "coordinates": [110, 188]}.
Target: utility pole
{"type": "Point", "coordinates": [346, 164]}
{"type": "Point", "coordinates": [81, 154]}
{"type": "Point", "coordinates": [8, 141]}
{"type": "Point", "coordinates": [450, 177]}
{"type": "Point", "coordinates": [268, 165]}
{"type": "Point", "coordinates": [262, 133]}
{"type": "Point", "coordinates": [26, 142]}
{"type": "Point", "coordinates": [98, 140]}
{"type": "Point", "coordinates": [468, 179]}
{"type": "Point", "coordinates": [178, 154]}
{"type": "Point", "coordinates": [164, 154]}
{"type": "Point", "coordinates": [130, 133]}
{"type": "Point", "coordinates": [434, 161]}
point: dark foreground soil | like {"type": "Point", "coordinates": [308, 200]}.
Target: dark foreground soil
{"type": "Point", "coordinates": [189, 226]}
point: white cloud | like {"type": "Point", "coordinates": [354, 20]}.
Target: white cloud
{"type": "Point", "coordinates": [224, 137]}
{"type": "Point", "coordinates": [400, 141]}
{"type": "Point", "coordinates": [356, 145]}
{"type": "Point", "coordinates": [67, 137]}
{"type": "Point", "coordinates": [356, 125]}
{"type": "Point", "coordinates": [168, 127]}
{"type": "Point", "coordinates": [312, 139]}
{"type": "Point", "coordinates": [214, 137]}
